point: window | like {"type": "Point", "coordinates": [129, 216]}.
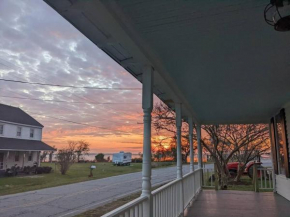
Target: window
{"type": "Point", "coordinates": [1, 129]}
{"type": "Point", "coordinates": [281, 145]}
{"type": "Point", "coordinates": [16, 156]}
{"type": "Point", "coordinates": [31, 133]}
{"type": "Point", "coordinates": [18, 131]}
{"type": "Point", "coordinates": [30, 156]}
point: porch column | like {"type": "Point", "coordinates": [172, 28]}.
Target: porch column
{"type": "Point", "coordinates": [179, 156]}
{"type": "Point", "coordinates": [190, 134]}
{"type": "Point", "coordinates": [38, 158]}
{"type": "Point", "coordinates": [147, 105]}
{"type": "Point", "coordinates": [178, 140]}
{"type": "Point", "coordinates": [7, 159]}
{"type": "Point", "coordinates": [199, 148]}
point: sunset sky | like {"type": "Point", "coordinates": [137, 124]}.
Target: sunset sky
{"type": "Point", "coordinates": [38, 45]}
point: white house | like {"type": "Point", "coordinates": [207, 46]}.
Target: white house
{"type": "Point", "coordinates": [20, 138]}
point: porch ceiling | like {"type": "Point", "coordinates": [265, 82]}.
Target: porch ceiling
{"type": "Point", "coordinates": [219, 58]}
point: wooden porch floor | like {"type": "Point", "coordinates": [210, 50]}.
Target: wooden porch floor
{"type": "Point", "coordinates": [239, 204]}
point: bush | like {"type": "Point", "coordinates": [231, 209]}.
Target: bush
{"type": "Point", "coordinates": [137, 160]}
{"type": "Point", "coordinates": [47, 169]}
{"type": "Point", "coordinates": [65, 158]}
{"type": "Point", "coordinates": [40, 170]}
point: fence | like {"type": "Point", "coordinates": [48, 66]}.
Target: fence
{"type": "Point", "coordinates": [167, 200]}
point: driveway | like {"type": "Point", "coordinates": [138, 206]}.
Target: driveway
{"type": "Point", "coordinates": [69, 200]}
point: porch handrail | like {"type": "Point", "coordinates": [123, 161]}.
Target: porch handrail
{"type": "Point", "coordinates": [133, 208]}
{"type": "Point", "coordinates": [162, 188]}
{"type": "Point", "coordinates": [166, 200]}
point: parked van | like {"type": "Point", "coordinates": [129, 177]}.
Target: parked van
{"type": "Point", "coordinates": [122, 158]}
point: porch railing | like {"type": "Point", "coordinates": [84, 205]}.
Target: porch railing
{"type": "Point", "coordinates": [191, 186]}
{"type": "Point", "coordinates": [134, 208]}
{"type": "Point", "coordinates": [263, 178]}
{"type": "Point", "coordinates": [208, 177]}
{"type": "Point", "coordinates": [166, 200]}
{"type": "Point", "coordinates": [266, 181]}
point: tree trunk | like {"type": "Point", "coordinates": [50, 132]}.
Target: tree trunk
{"type": "Point", "coordinates": [224, 179]}
{"type": "Point", "coordinates": [223, 175]}
{"type": "Point", "coordinates": [240, 172]}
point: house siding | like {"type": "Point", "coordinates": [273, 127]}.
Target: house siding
{"type": "Point", "coordinates": [10, 131]}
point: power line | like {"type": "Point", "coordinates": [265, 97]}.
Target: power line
{"type": "Point", "coordinates": [63, 101]}
{"type": "Point", "coordinates": [70, 86]}
{"type": "Point", "coordinates": [74, 122]}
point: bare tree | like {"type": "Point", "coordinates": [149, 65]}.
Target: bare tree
{"type": "Point", "coordinates": [221, 141]}
{"type": "Point", "coordinates": [82, 148]}
{"type": "Point", "coordinates": [164, 124]}
{"type": "Point", "coordinates": [66, 157]}
{"type": "Point", "coordinates": [224, 141]}
{"type": "Point", "coordinates": [43, 155]}
{"type": "Point", "coordinates": [250, 152]}
{"type": "Point", "coordinates": [159, 151]}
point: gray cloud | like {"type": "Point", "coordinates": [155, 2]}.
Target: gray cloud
{"type": "Point", "coordinates": [38, 45]}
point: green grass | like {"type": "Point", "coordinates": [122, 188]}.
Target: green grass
{"type": "Point", "coordinates": [246, 185]}
{"type": "Point", "coordinates": [77, 173]}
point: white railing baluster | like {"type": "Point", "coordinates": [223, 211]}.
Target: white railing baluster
{"type": "Point", "coordinates": [166, 199]}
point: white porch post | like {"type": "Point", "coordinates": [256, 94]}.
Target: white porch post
{"type": "Point", "coordinates": [179, 156]}
{"type": "Point", "coordinates": [147, 105]}
{"type": "Point", "coordinates": [198, 132]}
{"type": "Point", "coordinates": [7, 159]}
{"type": "Point", "coordinates": [191, 154]}
{"type": "Point", "coordinates": [38, 158]}
{"type": "Point", "coordinates": [178, 140]}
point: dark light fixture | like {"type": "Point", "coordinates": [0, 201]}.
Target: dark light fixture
{"type": "Point", "coordinates": [277, 14]}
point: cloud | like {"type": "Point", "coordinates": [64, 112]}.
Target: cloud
{"type": "Point", "coordinates": [38, 45]}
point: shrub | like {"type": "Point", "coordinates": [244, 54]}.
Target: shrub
{"type": "Point", "coordinates": [40, 170]}
{"type": "Point", "coordinates": [65, 158]}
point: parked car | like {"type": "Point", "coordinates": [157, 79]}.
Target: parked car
{"type": "Point", "coordinates": [122, 158]}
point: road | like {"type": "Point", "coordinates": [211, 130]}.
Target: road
{"type": "Point", "coordinates": [69, 200]}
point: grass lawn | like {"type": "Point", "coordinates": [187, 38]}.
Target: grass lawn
{"type": "Point", "coordinates": [246, 185]}
{"type": "Point", "coordinates": [77, 173]}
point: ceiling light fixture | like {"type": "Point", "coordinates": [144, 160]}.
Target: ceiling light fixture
{"type": "Point", "coordinates": [277, 14]}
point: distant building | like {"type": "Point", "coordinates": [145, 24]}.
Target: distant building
{"type": "Point", "coordinates": [20, 138]}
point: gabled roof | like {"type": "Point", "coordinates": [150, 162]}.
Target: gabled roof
{"type": "Point", "coordinates": [16, 115]}
{"type": "Point", "coordinates": [23, 145]}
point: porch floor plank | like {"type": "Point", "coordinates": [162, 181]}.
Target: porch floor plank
{"type": "Point", "coordinates": [239, 204]}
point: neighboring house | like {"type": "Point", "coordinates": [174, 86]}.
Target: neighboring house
{"type": "Point", "coordinates": [20, 138]}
